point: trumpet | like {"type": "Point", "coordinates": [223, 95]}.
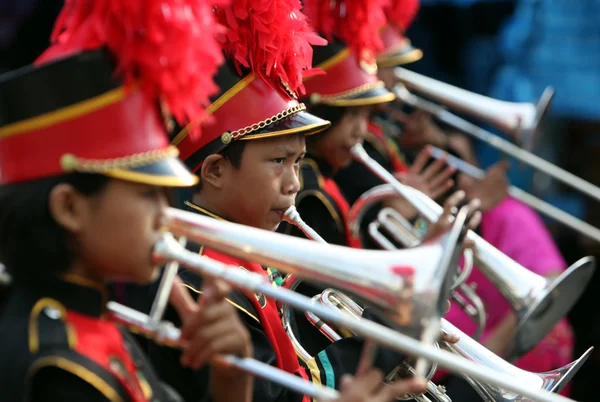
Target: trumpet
{"type": "Point", "coordinates": [538, 302]}
{"type": "Point", "coordinates": [304, 258]}
{"type": "Point", "coordinates": [510, 117]}
{"type": "Point", "coordinates": [534, 202]}
{"type": "Point", "coordinates": [553, 381]}
{"type": "Point", "coordinates": [495, 141]}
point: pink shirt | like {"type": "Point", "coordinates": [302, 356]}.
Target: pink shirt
{"type": "Point", "coordinates": [516, 230]}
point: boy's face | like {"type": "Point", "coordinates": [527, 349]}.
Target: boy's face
{"type": "Point", "coordinates": [334, 145]}
{"type": "Point", "coordinates": [265, 185]}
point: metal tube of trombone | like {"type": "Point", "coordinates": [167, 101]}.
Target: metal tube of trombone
{"type": "Point", "coordinates": [534, 202]}
{"type": "Point", "coordinates": [510, 117]}
{"type": "Point", "coordinates": [342, 267]}
{"type": "Point", "coordinates": [495, 141]}
{"type": "Point", "coordinates": [539, 303]}
{"type": "Point", "coordinates": [190, 225]}
{"type": "Point", "coordinates": [167, 334]}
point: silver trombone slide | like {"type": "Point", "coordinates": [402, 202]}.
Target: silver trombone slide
{"type": "Point", "coordinates": [534, 202]}
{"type": "Point", "coordinates": [166, 333]}
{"type": "Point", "coordinates": [495, 141]}
{"type": "Point", "coordinates": [168, 249]}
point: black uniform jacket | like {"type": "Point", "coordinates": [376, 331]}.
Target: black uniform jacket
{"type": "Point", "coordinates": [58, 347]}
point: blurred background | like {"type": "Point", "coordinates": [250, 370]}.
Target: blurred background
{"type": "Point", "coordinates": [507, 49]}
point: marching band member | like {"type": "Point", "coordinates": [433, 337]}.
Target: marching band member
{"type": "Point", "coordinates": [84, 163]}
{"type": "Point", "coordinates": [248, 160]}
{"type": "Point", "coordinates": [346, 96]}
{"type": "Point", "coordinates": [355, 179]}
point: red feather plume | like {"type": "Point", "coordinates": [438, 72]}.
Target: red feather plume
{"type": "Point", "coordinates": [270, 37]}
{"type": "Point", "coordinates": [169, 47]}
{"type": "Point", "coordinates": [356, 22]}
{"type": "Point", "coordinates": [402, 13]}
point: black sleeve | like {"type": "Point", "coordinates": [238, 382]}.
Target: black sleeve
{"type": "Point", "coordinates": [317, 216]}
{"type": "Point", "coordinates": [53, 384]}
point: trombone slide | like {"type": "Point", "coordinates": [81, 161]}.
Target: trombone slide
{"type": "Point", "coordinates": [495, 141]}
{"type": "Point", "coordinates": [166, 333]}
{"type": "Point", "coordinates": [510, 117]}
{"type": "Point", "coordinates": [534, 202]}
{"type": "Point", "coordinates": [168, 249]}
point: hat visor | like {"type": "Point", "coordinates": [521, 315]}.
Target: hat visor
{"type": "Point", "coordinates": [168, 172]}
{"type": "Point", "coordinates": [405, 55]}
{"type": "Point", "coordinates": [373, 96]}
{"type": "Point", "coordinates": [298, 123]}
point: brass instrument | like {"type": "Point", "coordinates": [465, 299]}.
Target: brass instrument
{"type": "Point", "coordinates": [526, 198]}
{"type": "Point", "coordinates": [538, 302]}
{"type": "Point", "coordinates": [553, 381]}
{"type": "Point", "coordinates": [510, 117]}
{"type": "Point", "coordinates": [336, 299]}
{"type": "Point", "coordinates": [443, 115]}
{"type": "Point", "coordinates": [311, 260]}
{"type": "Point", "coordinates": [400, 229]}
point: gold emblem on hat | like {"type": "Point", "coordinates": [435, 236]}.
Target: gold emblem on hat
{"type": "Point", "coordinates": [226, 137]}
{"type": "Point", "coordinates": [368, 62]}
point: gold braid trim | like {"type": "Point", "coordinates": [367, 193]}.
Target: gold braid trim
{"type": "Point", "coordinates": [318, 98]}
{"type": "Point", "coordinates": [227, 137]}
{"type": "Point", "coordinates": [71, 163]}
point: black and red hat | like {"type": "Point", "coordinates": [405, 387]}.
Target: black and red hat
{"type": "Point", "coordinates": [397, 48]}
{"type": "Point", "coordinates": [92, 103]}
{"type": "Point", "coordinates": [268, 46]}
{"type": "Point", "coordinates": [352, 28]}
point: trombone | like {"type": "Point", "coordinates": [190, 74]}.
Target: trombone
{"type": "Point", "coordinates": [534, 202]}
{"type": "Point", "coordinates": [312, 261]}
{"type": "Point", "coordinates": [510, 117]}
{"type": "Point", "coordinates": [436, 90]}
{"type": "Point", "coordinates": [552, 381]}
{"type": "Point", "coordinates": [538, 302]}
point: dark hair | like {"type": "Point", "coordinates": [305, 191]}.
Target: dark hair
{"type": "Point", "coordinates": [233, 153]}
{"type": "Point", "coordinates": [32, 244]}
{"type": "Point", "coordinates": [331, 113]}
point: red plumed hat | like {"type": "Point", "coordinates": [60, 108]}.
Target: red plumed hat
{"type": "Point", "coordinates": [352, 28]}
{"type": "Point", "coordinates": [268, 44]}
{"type": "Point", "coordinates": [92, 101]}
{"type": "Point", "coordinates": [397, 49]}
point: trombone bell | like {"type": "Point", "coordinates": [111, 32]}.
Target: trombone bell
{"type": "Point", "coordinates": [551, 381]}
{"type": "Point", "coordinates": [410, 285]}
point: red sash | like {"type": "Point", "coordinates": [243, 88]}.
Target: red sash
{"type": "Point", "coordinates": [268, 316]}
{"type": "Point", "coordinates": [333, 191]}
